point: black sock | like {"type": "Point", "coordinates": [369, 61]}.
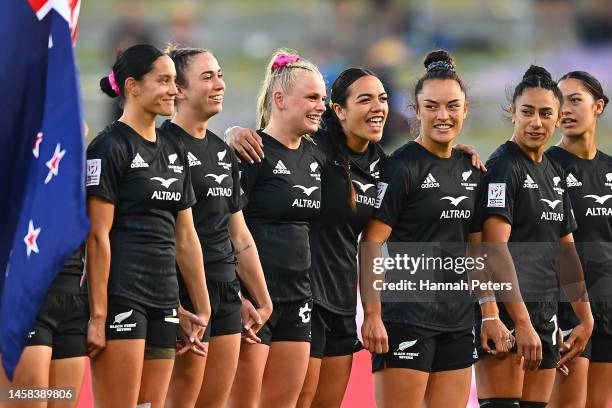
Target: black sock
{"type": "Point", "coordinates": [499, 402]}
{"type": "Point", "coordinates": [533, 404]}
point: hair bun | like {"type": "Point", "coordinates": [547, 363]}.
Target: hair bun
{"type": "Point", "coordinates": [439, 59]}
{"type": "Point", "coordinates": [536, 71]}
{"type": "Point", "coordinates": [106, 87]}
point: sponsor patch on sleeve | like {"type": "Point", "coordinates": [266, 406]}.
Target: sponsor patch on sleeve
{"type": "Point", "coordinates": [381, 190]}
{"type": "Point", "coordinates": [94, 168]}
{"type": "Point", "coordinates": [496, 196]}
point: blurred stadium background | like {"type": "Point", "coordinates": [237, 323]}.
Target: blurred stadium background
{"type": "Point", "coordinates": [493, 42]}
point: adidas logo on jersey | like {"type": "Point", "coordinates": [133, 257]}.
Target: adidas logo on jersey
{"type": "Point", "coordinates": [138, 162]}
{"type": "Point", "coordinates": [280, 168]}
{"type": "Point", "coordinates": [193, 160]}
{"type": "Point", "coordinates": [529, 183]}
{"type": "Point", "coordinates": [430, 182]}
{"type": "Point", "coordinates": [572, 181]}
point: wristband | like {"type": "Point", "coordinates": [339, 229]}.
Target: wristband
{"type": "Point", "coordinates": [229, 129]}
{"type": "Point", "coordinates": [486, 319]}
{"type": "Point", "coordinates": [486, 299]}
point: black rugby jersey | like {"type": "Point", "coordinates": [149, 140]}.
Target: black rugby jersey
{"type": "Point", "coordinates": [284, 196]}
{"type": "Point", "coordinates": [215, 177]}
{"type": "Point", "coordinates": [69, 278]}
{"type": "Point", "coordinates": [533, 198]}
{"type": "Point", "coordinates": [333, 238]}
{"type": "Point", "coordinates": [589, 183]}
{"type": "Point", "coordinates": [149, 183]}
{"type": "Point", "coordinates": [428, 199]}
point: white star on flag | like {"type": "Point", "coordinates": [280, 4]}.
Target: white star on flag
{"type": "Point", "coordinates": [53, 163]}
{"type": "Point", "coordinates": [37, 142]}
{"type": "Point", "coordinates": [30, 239]}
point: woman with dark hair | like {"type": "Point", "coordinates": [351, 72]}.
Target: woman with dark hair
{"type": "Point", "coordinates": [139, 196]}
{"type": "Point", "coordinates": [352, 127]}
{"type": "Point", "coordinates": [521, 176]}
{"type": "Point", "coordinates": [587, 170]}
{"type": "Point", "coordinates": [428, 191]}
{"type": "Point", "coordinates": [228, 247]}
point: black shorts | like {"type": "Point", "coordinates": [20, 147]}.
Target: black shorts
{"type": "Point", "coordinates": [61, 325]}
{"type": "Point", "coordinates": [543, 316]}
{"type": "Point", "coordinates": [289, 321]}
{"type": "Point", "coordinates": [428, 350]}
{"type": "Point", "coordinates": [128, 320]}
{"type": "Point", "coordinates": [333, 334]}
{"type": "Point", "coordinates": [567, 321]}
{"type": "Point", "coordinates": [225, 307]}
{"type": "Point", "coordinates": [602, 332]}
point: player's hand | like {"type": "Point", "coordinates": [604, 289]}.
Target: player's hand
{"type": "Point", "coordinates": [96, 336]}
{"type": "Point", "coordinates": [191, 330]}
{"type": "Point", "coordinates": [253, 319]}
{"type": "Point", "coordinates": [528, 346]}
{"type": "Point", "coordinates": [246, 142]}
{"type": "Point", "coordinates": [576, 343]}
{"type": "Point", "coordinates": [374, 334]}
{"type": "Point", "coordinates": [471, 151]}
{"type": "Point", "coordinates": [496, 332]}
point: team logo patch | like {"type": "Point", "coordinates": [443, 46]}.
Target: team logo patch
{"type": "Point", "coordinates": [304, 313]}
{"type": "Point", "coordinates": [373, 171]}
{"type": "Point", "coordinates": [609, 180]}
{"type": "Point", "coordinates": [401, 352]}
{"type": "Point", "coordinates": [380, 193]}
{"type": "Point", "coordinates": [94, 168]}
{"type": "Point", "coordinates": [496, 195]}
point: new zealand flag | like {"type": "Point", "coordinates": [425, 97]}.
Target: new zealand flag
{"type": "Point", "coordinates": [42, 196]}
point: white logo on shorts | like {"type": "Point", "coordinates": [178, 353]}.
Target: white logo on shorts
{"type": "Point", "coordinates": [305, 313]}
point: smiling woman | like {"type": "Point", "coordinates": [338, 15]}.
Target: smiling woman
{"type": "Point", "coordinates": [423, 200]}
{"type": "Point", "coordinates": [142, 193]}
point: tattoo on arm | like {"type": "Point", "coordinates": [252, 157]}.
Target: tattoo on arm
{"type": "Point", "coordinates": [242, 249]}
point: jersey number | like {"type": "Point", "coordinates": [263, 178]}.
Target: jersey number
{"type": "Point", "coordinates": [554, 335]}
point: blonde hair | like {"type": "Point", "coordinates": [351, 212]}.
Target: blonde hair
{"type": "Point", "coordinates": [284, 77]}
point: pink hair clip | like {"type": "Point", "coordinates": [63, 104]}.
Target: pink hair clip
{"type": "Point", "coordinates": [284, 59]}
{"type": "Point", "coordinates": [113, 83]}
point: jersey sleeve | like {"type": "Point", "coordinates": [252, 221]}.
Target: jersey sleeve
{"type": "Point", "coordinates": [499, 192]}
{"type": "Point", "coordinates": [569, 221]}
{"type": "Point", "coordinates": [106, 159]}
{"type": "Point", "coordinates": [393, 189]}
{"type": "Point", "coordinates": [481, 189]}
{"type": "Point", "coordinates": [248, 178]}
{"type": "Point", "coordinates": [189, 198]}
{"type": "Point", "coordinates": [236, 201]}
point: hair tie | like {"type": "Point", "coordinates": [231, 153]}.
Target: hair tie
{"type": "Point", "coordinates": [284, 59]}
{"type": "Point", "coordinates": [440, 65]}
{"type": "Point", "coordinates": [113, 83]}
